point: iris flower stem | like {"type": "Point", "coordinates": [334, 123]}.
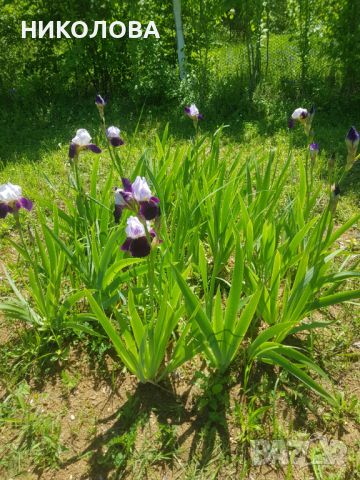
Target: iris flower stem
{"type": "Point", "coordinates": [21, 233]}
{"type": "Point", "coordinates": [82, 202]}
{"type": "Point", "coordinates": [117, 164]}
{"type": "Point", "coordinates": [343, 176]}
{"type": "Point", "coordinates": [311, 179]}
{"type": "Point", "coordinates": [151, 269]}
{"type": "Point", "coordinates": [77, 176]}
{"type": "Point", "coordinates": [307, 183]}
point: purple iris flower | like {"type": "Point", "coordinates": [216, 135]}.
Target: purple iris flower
{"type": "Point", "coordinates": [352, 143]}
{"type": "Point", "coordinates": [137, 243]}
{"type": "Point", "coordinates": [193, 112]}
{"type": "Point", "coordinates": [123, 199]}
{"type": "Point", "coordinates": [113, 135]}
{"type": "Point", "coordinates": [82, 141]}
{"type": "Point", "coordinates": [137, 197]}
{"type": "Point", "coordinates": [314, 150]}
{"type": "Point", "coordinates": [300, 114]}
{"type": "Point", "coordinates": [11, 199]}
{"type": "Point", "coordinates": [100, 101]}
{"type": "Point", "coordinates": [352, 138]}
{"type": "Point", "coordinates": [303, 116]}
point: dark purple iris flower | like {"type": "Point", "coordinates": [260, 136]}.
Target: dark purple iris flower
{"type": "Point", "coordinates": [314, 150]}
{"type": "Point", "coordinates": [82, 141]}
{"type": "Point", "coordinates": [113, 135]}
{"type": "Point", "coordinates": [193, 112]}
{"type": "Point", "coordinates": [138, 198]}
{"type": "Point", "coordinates": [150, 209]}
{"type": "Point", "coordinates": [352, 143]}
{"type": "Point", "coordinates": [11, 200]}
{"type": "Point", "coordinates": [303, 116]}
{"type": "Point", "coordinates": [353, 136]}
{"type": "Point", "coordinates": [137, 242]}
{"type": "Point", "coordinates": [99, 100]}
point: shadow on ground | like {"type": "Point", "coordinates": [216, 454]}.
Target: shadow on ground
{"type": "Point", "coordinates": [114, 448]}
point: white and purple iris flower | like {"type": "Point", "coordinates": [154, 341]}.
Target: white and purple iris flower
{"type": "Point", "coordinates": [100, 103]}
{"type": "Point", "coordinates": [137, 197]}
{"type": "Point", "coordinates": [137, 242]}
{"type": "Point", "coordinates": [113, 135]}
{"type": "Point", "coordinates": [352, 142]}
{"type": "Point", "coordinates": [193, 112]}
{"type": "Point", "coordinates": [11, 199]}
{"type": "Point", "coordinates": [82, 141]}
{"type": "Point", "coordinates": [314, 150]}
{"type": "Point", "coordinates": [303, 116]}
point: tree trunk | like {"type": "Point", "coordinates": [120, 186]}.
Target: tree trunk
{"type": "Point", "coordinates": [179, 37]}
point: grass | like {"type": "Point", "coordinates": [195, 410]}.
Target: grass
{"type": "Point", "coordinates": [74, 411]}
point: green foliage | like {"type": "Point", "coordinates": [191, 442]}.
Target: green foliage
{"type": "Point", "coordinates": [39, 434]}
{"type": "Point", "coordinates": [160, 311]}
{"type": "Point", "coordinates": [146, 70]}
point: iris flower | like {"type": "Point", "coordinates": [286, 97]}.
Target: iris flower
{"type": "Point", "coordinates": [193, 112]}
{"type": "Point", "coordinates": [137, 197]}
{"type": "Point", "coordinates": [314, 150]}
{"type": "Point", "coordinates": [11, 199]}
{"type": "Point", "coordinates": [113, 135]}
{"type": "Point", "coordinates": [303, 116]}
{"type": "Point", "coordinates": [352, 143]}
{"type": "Point", "coordinates": [100, 103]}
{"type": "Point", "coordinates": [82, 141]}
{"type": "Point", "coordinates": [137, 241]}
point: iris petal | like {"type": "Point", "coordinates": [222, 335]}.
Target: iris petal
{"type": "Point", "coordinates": [72, 150]}
{"type": "Point", "coordinates": [4, 210]}
{"type": "Point", "coordinates": [139, 247]}
{"type": "Point", "coordinates": [125, 247]}
{"type": "Point", "coordinates": [118, 212]}
{"type": "Point", "coordinates": [127, 185]}
{"type": "Point", "coordinates": [26, 203]}
{"type": "Point", "coordinates": [116, 141]}
{"type": "Point", "coordinates": [94, 148]}
{"type": "Point", "coordinates": [151, 209]}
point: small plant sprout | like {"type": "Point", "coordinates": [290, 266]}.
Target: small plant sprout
{"type": "Point", "coordinates": [82, 141]}
{"type": "Point", "coordinates": [314, 151]}
{"type": "Point", "coordinates": [139, 238]}
{"type": "Point", "coordinates": [11, 200]}
{"type": "Point", "coordinates": [352, 143]}
{"type": "Point", "coordinates": [138, 198]}
{"type": "Point", "coordinates": [113, 135]}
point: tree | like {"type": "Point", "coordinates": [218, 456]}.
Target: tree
{"type": "Point", "coordinates": [179, 37]}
